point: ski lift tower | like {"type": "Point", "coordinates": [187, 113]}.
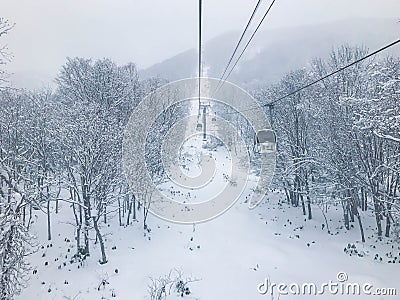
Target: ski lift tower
{"type": "Point", "coordinates": [204, 104]}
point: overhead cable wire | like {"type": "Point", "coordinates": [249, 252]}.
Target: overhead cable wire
{"type": "Point", "coordinates": [322, 78]}
{"type": "Point", "coordinates": [247, 44]}
{"type": "Point", "coordinates": [240, 40]}
{"type": "Point", "coordinates": [334, 72]}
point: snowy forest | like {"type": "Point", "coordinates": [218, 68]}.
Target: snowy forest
{"type": "Point", "coordinates": [62, 184]}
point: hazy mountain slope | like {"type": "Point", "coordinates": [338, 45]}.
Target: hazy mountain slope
{"type": "Point", "coordinates": [275, 52]}
{"type": "Point", "coordinates": [180, 66]}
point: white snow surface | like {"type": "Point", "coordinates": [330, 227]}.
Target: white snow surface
{"type": "Point", "coordinates": [229, 255]}
{"type": "Point", "coordinates": [236, 252]}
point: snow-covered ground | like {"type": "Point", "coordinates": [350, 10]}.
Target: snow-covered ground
{"type": "Point", "coordinates": [230, 255]}
{"type": "Point", "coordinates": [227, 258]}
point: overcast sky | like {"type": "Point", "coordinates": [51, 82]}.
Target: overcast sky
{"type": "Point", "coordinates": [148, 31]}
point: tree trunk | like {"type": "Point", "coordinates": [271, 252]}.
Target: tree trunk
{"type": "Point", "coordinates": [357, 214]}
{"type": "Point", "coordinates": [286, 192]}
{"type": "Point", "coordinates": [346, 214]}
{"type": "Point", "coordinates": [309, 207]}
{"type": "Point", "coordinates": [388, 222]}
{"type": "Point", "coordinates": [119, 211]}
{"type": "Point", "coordinates": [48, 220]}
{"type": "Point", "coordinates": [352, 203]}
{"type": "Point", "coordinates": [363, 199]}
{"type": "Point", "coordinates": [101, 241]}
{"type": "Point", "coordinates": [134, 207]}
{"type": "Point", "coordinates": [307, 188]}
{"type": "Point", "coordinates": [58, 193]}
{"type": "Point", "coordinates": [30, 216]}
{"type": "Point", "coordinates": [145, 213]}
{"type": "Point", "coordinates": [326, 219]}
{"type": "Point", "coordinates": [86, 212]}
{"type": "Point", "coordinates": [361, 228]}
{"type": "Point", "coordinates": [378, 219]}
{"type": "Point", "coordinates": [129, 211]}
{"type": "Point", "coordinates": [23, 214]}
{"type": "Point", "coordinates": [303, 204]}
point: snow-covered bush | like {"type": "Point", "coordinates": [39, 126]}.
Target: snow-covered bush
{"type": "Point", "coordinates": [162, 287]}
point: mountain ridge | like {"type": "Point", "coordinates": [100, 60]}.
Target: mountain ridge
{"type": "Point", "coordinates": [275, 52]}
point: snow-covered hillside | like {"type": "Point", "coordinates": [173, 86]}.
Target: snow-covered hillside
{"type": "Point", "coordinates": [226, 258]}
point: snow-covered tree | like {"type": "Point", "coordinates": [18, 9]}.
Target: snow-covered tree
{"type": "Point", "coordinates": [95, 100]}
{"type": "Point", "coordinates": [340, 138]}
{"type": "Point", "coordinates": [290, 120]}
{"type": "Point", "coordinates": [16, 192]}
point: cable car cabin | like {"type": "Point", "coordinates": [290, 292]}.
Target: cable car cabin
{"type": "Point", "coordinates": [265, 141]}
{"type": "Point", "coordinates": [199, 127]}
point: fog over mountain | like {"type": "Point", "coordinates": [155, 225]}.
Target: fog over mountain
{"type": "Point", "coordinates": [272, 53]}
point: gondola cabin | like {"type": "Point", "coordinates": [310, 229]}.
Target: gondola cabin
{"type": "Point", "coordinates": [264, 141]}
